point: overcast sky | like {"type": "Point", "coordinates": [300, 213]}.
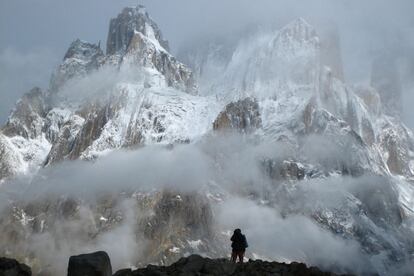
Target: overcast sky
{"type": "Point", "coordinates": [35, 34]}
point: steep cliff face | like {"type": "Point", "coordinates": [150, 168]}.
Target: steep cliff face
{"type": "Point", "coordinates": [267, 65]}
{"type": "Point", "coordinates": [123, 28]}
{"type": "Point", "coordinates": [386, 79]}
{"type": "Point", "coordinates": [80, 59]}
{"type": "Point", "coordinates": [23, 141]}
{"type": "Point", "coordinates": [134, 39]}
{"type": "Point", "coordinates": [11, 162]}
{"type": "Point", "coordinates": [241, 116]}
{"type": "Point", "coordinates": [26, 119]}
{"type": "Point", "coordinates": [146, 52]}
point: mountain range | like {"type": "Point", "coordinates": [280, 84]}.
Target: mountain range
{"type": "Point", "coordinates": [263, 127]}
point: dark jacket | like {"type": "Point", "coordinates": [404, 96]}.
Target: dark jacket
{"type": "Point", "coordinates": [239, 242]}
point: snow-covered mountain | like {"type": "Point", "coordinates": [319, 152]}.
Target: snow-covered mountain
{"type": "Point", "coordinates": [285, 88]}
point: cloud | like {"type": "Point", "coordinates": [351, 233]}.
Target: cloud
{"type": "Point", "coordinates": [294, 238]}
{"type": "Point", "coordinates": [278, 217]}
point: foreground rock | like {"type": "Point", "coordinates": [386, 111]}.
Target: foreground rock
{"type": "Point", "coordinates": [99, 264]}
{"type": "Point", "coordinates": [10, 267]}
{"type": "Point", "coordinates": [197, 265]}
{"type": "Point", "coordinates": [94, 264]}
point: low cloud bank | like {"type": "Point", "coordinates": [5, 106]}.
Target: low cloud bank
{"type": "Point", "coordinates": [278, 216]}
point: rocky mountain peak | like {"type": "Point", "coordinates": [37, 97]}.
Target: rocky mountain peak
{"type": "Point", "coordinates": [123, 27]}
{"type": "Point", "coordinates": [298, 35]}
{"type": "Point", "coordinates": [83, 50]}
{"type": "Point", "coordinates": [80, 59]}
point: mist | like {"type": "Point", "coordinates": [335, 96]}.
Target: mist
{"type": "Point", "coordinates": [228, 166]}
{"type": "Point", "coordinates": [367, 29]}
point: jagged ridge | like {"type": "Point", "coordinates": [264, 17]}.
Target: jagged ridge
{"type": "Point", "coordinates": [274, 87]}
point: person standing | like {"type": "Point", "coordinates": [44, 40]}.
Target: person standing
{"type": "Point", "coordinates": [238, 245]}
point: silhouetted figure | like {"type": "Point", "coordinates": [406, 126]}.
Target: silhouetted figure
{"type": "Point", "coordinates": [238, 245]}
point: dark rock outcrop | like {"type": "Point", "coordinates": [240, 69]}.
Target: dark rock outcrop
{"type": "Point", "coordinates": [242, 116]}
{"type": "Point", "coordinates": [65, 142]}
{"type": "Point", "coordinates": [175, 217]}
{"type": "Point", "coordinates": [10, 267]}
{"type": "Point", "coordinates": [123, 28]}
{"type": "Point", "coordinates": [94, 264]}
{"type": "Point", "coordinates": [284, 170]}
{"type": "Point", "coordinates": [197, 265]}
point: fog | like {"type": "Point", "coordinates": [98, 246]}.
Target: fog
{"type": "Point", "coordinates": [36, 34]}
{"type": "Point", "coordinates": [281, 229]}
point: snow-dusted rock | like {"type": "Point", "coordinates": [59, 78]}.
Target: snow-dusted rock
{"type": "Point", "coordinates": [241, 116]}
{"type": "Point", "coordinates": [123, 28]}
{"type": "Point", "coordinates": [26, 118]}
{"type": "Point", "coordinates": [80, 59]}
{"type": "Point", "coordinates": [136, 41]}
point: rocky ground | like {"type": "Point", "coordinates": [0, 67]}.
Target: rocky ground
{"type": "Point", "coordinates": [197, 265]}
{"type": "Point", "coordinates": [11, 267]}
{"type": "Point", "coordinates": [99, 264]}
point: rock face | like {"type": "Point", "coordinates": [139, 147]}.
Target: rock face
{"type": "Point", "coordinates": [146, 52]}
{"type": "Point", "coordinates": [10, 267]}
{"type": "Point", "coordinates": [26, 119]}
{"type": "Point", "coordinates": [80, 59]}
{"type": "Point", "coordinates": [10, 161]}
{"type": "Point", "coordinates": [386, 79]}
{"type": "Point", "coordinates": [177, 216]}
{"type": "Point", "coordinates": [93, 264]}
{"type": "Point", "coordinates": [242, 116]}
{"type": "Point", "coordinates": [197, 265]}
{"type": "Point", "coordinates": [123, 28]}
{"type": "Point", "coordinates": [135, 39]}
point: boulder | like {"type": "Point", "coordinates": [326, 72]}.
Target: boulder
{"type": "Point", "coordinates": [11, 267]}
{"type": "Point", "coordinates": [93, 264]}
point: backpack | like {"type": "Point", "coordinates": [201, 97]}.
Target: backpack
{"type": "Point", "coordinates": [245, 242]}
